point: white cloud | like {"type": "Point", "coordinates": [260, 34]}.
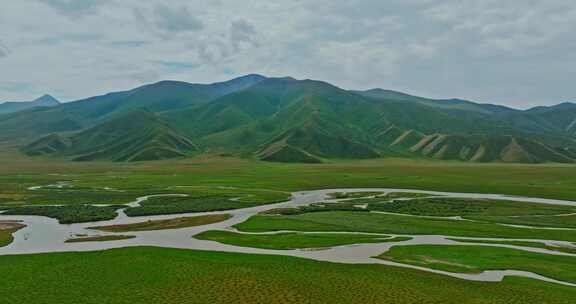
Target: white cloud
{"type": "Point", "coordinates": [439, 48]}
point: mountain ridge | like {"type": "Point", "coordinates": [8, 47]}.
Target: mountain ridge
{"type": "Point", "coordinates": [289, 120]}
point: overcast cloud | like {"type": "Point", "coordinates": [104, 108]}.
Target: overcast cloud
{"type": "Point", "coordinates": [516, 52]}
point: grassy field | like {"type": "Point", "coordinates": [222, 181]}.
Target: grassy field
{"type": "Point", "coordinates": [479, 208]}
{"type": "Point", "coordinates": [6, 231]}
{"type": "Point", "coordinates": [395, 224]}
{"type": "Point", "coordinates": [536, 221]}
{"type": "Point", "coordinates": [100, 238]}
{"type": "Point", "coordinates": [205, 200]}
{"type": "Point", "coordinates": [155, 275]}
{"type": "Point", "coordinates": [474, 259]}
{"type": "Point", "coordinates": [522, 244]}
{"type": "Point", "coordinates": [286, 241]}
{"type": "Point", "coordinates": [176, 223]}
{"type": "Point", "coordinates": [544, 180]}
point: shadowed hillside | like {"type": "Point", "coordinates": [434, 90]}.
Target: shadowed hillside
{"type": "Point", "coordinates": [135, 136]}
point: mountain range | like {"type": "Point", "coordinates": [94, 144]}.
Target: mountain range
{"type": "Point", "coordinates": [288, 120]}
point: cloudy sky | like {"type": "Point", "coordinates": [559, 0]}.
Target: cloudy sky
{"type": "Point", "coordinates": [515, 52]}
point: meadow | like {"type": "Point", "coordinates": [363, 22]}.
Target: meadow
{"type": "Point", "coordinates": [20, 172]}
{"type": "Point", "coordinates": [558, 248]}
{"type": "Point", "coordinates": [475, 259]}
{"type": "Point", "coordinates": [395, 224]}
{"type": "Point", "coordinates": [6, 231]}
{"type": "Point", "coordinates": [175, 223]}
{"type": "Point", "coordinates": [159, 275]}
{"type": "Point", "coordinates": [285, 241]}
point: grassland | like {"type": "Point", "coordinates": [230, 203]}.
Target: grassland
{"type": "Point", "coordinates": [475, 259]}
{"type": "Point", "coordinates": [206, 199]}
{"type": "Point", "coordinates": [176, 223]}
{"type": "Point", "coordinates": [285, 241]}
{"type": "Point", "coordinates": [6, 231]}
{"type": "Point", "coordinates": [479, 208]}
{"type": "Point", "coordinates": [543, 180]}
{"type": "Point", "coordinates": [346, 195]}
{"type": "Point", "coordinates": [69, 214]}
{"type": "Point", "coordinates": [100, 238]}
{"type": "Point", "coordinates": [162, 276]}
{"type": "Point", "coordinates": [558, 248]}
{"type": "Point", "coordinates": [395, 224]}
{"type": "Point", "coordinates": [568, 221]}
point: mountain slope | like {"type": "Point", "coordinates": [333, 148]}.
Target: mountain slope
{"type": "Point", "coordinates": [44, 101]}
{"type": "Point", "coordinates": [134, 136]}
{"type": "Point", "coordinates": [481, 148]}
{"type": "Point", "coordinates": [289, 120]}
{"type": "Point", "coordinates": [74, 116]}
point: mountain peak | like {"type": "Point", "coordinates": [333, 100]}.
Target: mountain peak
{"type": "Point", "coordinates": [46, 100]}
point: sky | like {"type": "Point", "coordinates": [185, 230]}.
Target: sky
{"type": "Point", "coordinates": [520, 53]}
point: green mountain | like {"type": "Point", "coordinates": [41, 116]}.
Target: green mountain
{"type": "Point", "coordinates": [289, 120]}
{"type": "Point", "coordinates": [157, 97]}
{"type": "Point", "coordinates": [135, 136]}
{"type": "Point", "coordinates": [44, 101]}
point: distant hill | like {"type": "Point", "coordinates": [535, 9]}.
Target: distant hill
{"type": "Point", "coordinates": [290, 120]}
{"type": "Point", "coordinates": [135, 136]}
{"type": "Point", "coordinates": [44, 101]}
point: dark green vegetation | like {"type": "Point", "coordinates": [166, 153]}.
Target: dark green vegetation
{"type": "Point", "coordinates": [469, 208]}
{"type": "Point", "coordinates": [395, 224]}
{"type": "Point", "coordinates": [6, 231]}
{"type": "Point", "coordinates": [316, 207]}
{"type": "Point", "coordinates": [289, 120]}
{"type": "Point", "coordinates": [558, 248]}
{"type": "Point", "coordinates": [158, 276]}
{"type": "Point", "coordinates": [135, 136]}
{"type": "Point", "coordinates": [474, 259]}
{"type": "Point", "coordinates": [70, 214]}
{"type": "Point", "coordinates": [207, 200]}
{"type": "Point", "coordinates": [176, 223]}
{"type": "Point", "coordinates": [286, 241]}
{"type": "Point", "coordinates": [404, 195]}
{"type": "Point", "coordinates": [100, 238]}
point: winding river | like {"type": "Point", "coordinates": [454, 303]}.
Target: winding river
{"type": "Point", "coordinates": [44, 235]}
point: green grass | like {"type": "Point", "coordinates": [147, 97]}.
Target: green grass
{"type": "Point", "coordinates": [69, 214]}
{"type": "Point", "coordinates": [206, 200]}
{"type": "Point", "coordinates": [543, 180]}
{"type": "Point", "coordinates": [291, 240]}
{"type": "Point", "coordinates": [536, 221]}
{"type": "Point", "coordinates": [176, 223]}
{"type": "Point", "coordinates": [341, 195]}
{"type": "Point", "coordinates": [100, 238]}
{"type": "Point", "coordinates": [162, 276]}
{"type": "Point", "coordinates": [394, 224]}
{"type": "Point", "coordinates": [475, 259]}
{"type": "Point", "coordinates": [403, 195]}
{"type": "Point", "coordinates": [469, 207]}
{"type": "Point", "coordinates": [558, 248]}
{"type": "Point", "coordinates": [6, 231]}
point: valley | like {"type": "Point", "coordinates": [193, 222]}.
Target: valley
{"type": "Point", "coordinates": [209, 192]}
